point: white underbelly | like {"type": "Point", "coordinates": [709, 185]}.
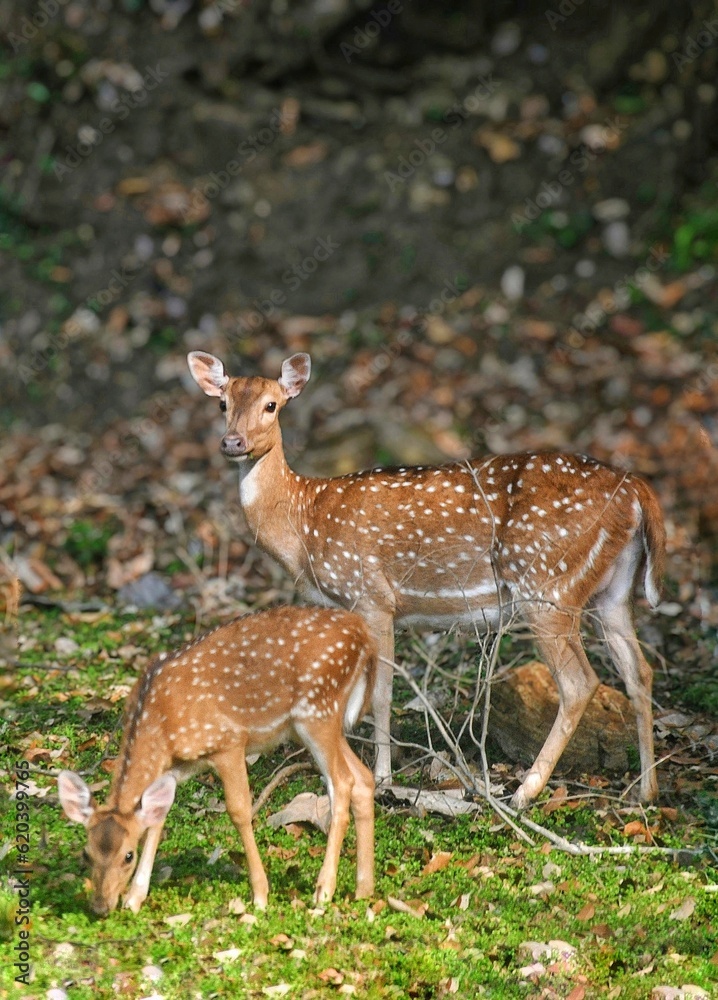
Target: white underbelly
{"type": "Point", "coordinates": [482, 619]}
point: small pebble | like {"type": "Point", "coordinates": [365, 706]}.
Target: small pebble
{"type": "Point", "coordinates": [585, 268]}
{"type": "Point", "coordinates": [616, 239]}
{"type": "Point", "coordinates": [507, 39]}
{"type": "Point", "coordinates": [537, 53]}
{"type": "Point", "coordinates": [153, 973]}
{"type": "Point", "coordinates": [512, 282]}
{"type": "Point", "coordinates": [66, 646]}
{"type": "Point", "coordinates": [444, 177]}
{"type": "Point", "coordinates": [552, 145]}
{"type": "Point", "coordinates": [611, 209]}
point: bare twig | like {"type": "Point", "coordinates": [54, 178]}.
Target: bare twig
{"type": "Point", "coordinates": [278, 779]}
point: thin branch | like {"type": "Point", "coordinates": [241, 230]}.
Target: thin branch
{"type": "Point", "coordinates": [279, 778]}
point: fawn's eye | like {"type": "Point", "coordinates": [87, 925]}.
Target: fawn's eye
{"type": "Point", "coordinates": [128, 857]}
{"type": "Point", "coordinates": [271, 407]}
{"type": "Point", "coordinates": [223, 405]}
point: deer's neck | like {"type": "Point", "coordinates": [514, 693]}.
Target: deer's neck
{"type": "Point", "coordinates": [139, 764]}
{"type": "Point", "coordinates": [144, 754]}
{"type": "Point", "coordinates": [272, 498]}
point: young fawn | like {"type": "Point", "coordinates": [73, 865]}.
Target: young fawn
{"type": "Point", "coordinates": [542, 536]}
{"type": "Point", "coordinates": [241, 688]}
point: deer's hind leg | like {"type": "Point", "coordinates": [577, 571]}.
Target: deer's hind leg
{"type": "Point", "coordinates": [559, 640]}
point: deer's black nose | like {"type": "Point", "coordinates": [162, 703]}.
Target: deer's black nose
{"type": "Point", "coordinates": [233, 445]}
{"type": "Point", "coordinates": [100, 907]}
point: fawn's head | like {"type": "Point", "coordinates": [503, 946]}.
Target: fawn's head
{"type": "Point", "coordinates": [251, 405]}
{"type": "Point", "coordinates": [112, 836]}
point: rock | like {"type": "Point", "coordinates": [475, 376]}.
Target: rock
{"type": "Point", "coordinates": [150, 591]}
{"type": "Point", "coordinates": [524, 703]}
{"type": "Point", "coordinates": [507, 39]}
{"type": "Point", "coordinates": [65, 646]}
{"type": "Point", "coordinates": [611, 209]}
{"type": "Point", "coordinates": [616, 239]}
{"type": "Point", "coordinates": [152, 972]}
{"type": "Point", "coordinates": [512, 282]}
{"type": "Point", "coordinates": [585, 268]}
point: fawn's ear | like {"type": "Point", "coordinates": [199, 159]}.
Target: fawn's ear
{"type": "Point", "coordinates": [295, 374]}
{"type": "Point", "coordinates": [156, 801]}
{"type": "Point", "coordinates": [75, 797]}
{"type": "Point", "coordinates": [208, 372]}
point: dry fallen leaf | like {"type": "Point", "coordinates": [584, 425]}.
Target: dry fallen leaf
{"type": "Point", "coordinates": [635, 827]}
{"type": "Point", "coordinates": [304, 808]}
{"type": "Point", "coordinates": [577, 993]}
{"type": "Point", "coordinates": [542, 888]}
{"type": "Point", "coordinates": [684, 911]}
{"type": "Point", "coordinates": [438, 862]}
{"type": "Point", "coordinates": [557, 800]}
{"type": "Point", "coordinates": [418, 910]}
{"type": "Point", "coordinates": [586, 913]}
{"type": "Point", "coordinates": [230, 955]}
{"type": "Point", "coordinates": [332, 976]}
{"type": "Point", "coordinates": [499, 146]}
{"type": "Point", "coordinates": [178, 920]}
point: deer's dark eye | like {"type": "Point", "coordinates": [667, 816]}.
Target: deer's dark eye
{"type": "Point", "coordinates": [271, 407]}
{"type": "Point", "coordinates": [128, 857]}
{"type": "Point", "coordinates": [222, 405]}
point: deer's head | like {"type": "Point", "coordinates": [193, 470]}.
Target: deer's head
{"type": "Point", "coordinates": [251, 404]}
{"type": "Point", "coordinates": [113, 837]}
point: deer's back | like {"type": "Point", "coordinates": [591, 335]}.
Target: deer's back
{"type": "Point", "coordinates": [480, 532]}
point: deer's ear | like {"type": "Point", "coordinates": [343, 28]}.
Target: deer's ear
{"type": "Point", "coordinates": [156, 801]}
{"type": "Point", "coordinates": [295, 374]}
{"type": "Point", "coordinates": [75, 797]}
{"type": "Point", "coordinates": [208, 372]}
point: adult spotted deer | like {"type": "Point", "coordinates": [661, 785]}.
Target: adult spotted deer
{"type": "Point", "coordinates": [241, 688]}
{"type": "Point", "coordinates": [542, 536]}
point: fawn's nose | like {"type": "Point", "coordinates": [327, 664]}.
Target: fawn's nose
{"type": "Point", "coordinates": [233, 445]}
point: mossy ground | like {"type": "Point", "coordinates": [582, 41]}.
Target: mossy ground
{"type": "Point", "coordinates": [630, 919]}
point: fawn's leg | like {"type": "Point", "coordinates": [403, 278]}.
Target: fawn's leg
{"type": "Point", "coordinates": [558, 638]}
{"type": "Point", "coordinates": [140, 885]}
{"type": "Point", "coordinates": [232, 769]}
{"type": "Point", "coordinates": [620, 636]}
{"type": "Point", "coordinates": [362, 806]}
{"type": "Point", "coordinates": [323, 739]}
